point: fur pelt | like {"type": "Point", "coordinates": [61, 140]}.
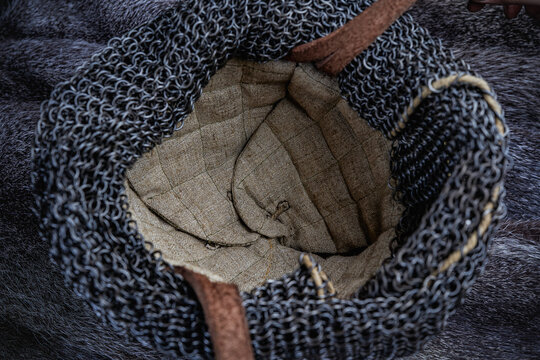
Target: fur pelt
{"type": "Point", "coordinates": [42, 42]}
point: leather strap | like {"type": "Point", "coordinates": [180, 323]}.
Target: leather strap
{"type": "Point", "coordinates": [335, 51]}
{"type": "Point", "coordinates": [221, 302]}
{"type": "Point", "coordinates": [224, 315]}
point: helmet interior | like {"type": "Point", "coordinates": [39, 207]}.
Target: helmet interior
{"type": "Point", "coordinates": [271, 163]}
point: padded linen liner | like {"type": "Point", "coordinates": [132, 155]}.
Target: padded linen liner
{"type": "Point", "coordinates": [271, 163]}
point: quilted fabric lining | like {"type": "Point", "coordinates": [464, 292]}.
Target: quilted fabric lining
{"type": "Point", "coordinates": [271, 163]}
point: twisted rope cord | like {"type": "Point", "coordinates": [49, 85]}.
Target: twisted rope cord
{"type": "Point", "coordinates": [444, 83]}
{"type": "Point", "coordinates": [437, 86]}
{"type": "Point", "coordinates": [472, 242]}
{"type": "Point", "coordinates": [318, 276]}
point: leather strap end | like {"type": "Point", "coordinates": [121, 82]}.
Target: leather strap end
{"type": "Point", "coordinates": [335, 51]}
{"type": "Point", "coordinates": [224, 314]}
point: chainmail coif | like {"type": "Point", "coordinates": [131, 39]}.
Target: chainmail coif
{"type": "Point", "coordinates": [448, 162]}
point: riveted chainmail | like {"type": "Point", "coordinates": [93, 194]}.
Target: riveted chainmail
{"type": "Point", "coordinates": [445, 163]}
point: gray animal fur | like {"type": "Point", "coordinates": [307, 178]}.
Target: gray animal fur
{"type": "Point", "coordinates": [43, 42]}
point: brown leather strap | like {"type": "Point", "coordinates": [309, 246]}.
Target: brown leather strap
{"type": "Point", "coordinates": [334, 51]}
{"type": "Point", "coordinates": [224, 315]}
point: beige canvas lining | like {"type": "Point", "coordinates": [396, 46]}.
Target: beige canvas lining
{"type": "Point", "coordinates": [271, 163]}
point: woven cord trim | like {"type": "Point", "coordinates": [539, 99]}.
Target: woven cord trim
{"type": "Point", "coordinates": [437, 86]}
{"type": "Point", "coordinates": [445, 83]}
{"type": "Point", "coordinates": [319, 277]}
{"type": "Point", "coordinates": [473, 239]}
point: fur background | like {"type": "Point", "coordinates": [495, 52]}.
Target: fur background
{"type": "Point", "coordinates": [42, 42]}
